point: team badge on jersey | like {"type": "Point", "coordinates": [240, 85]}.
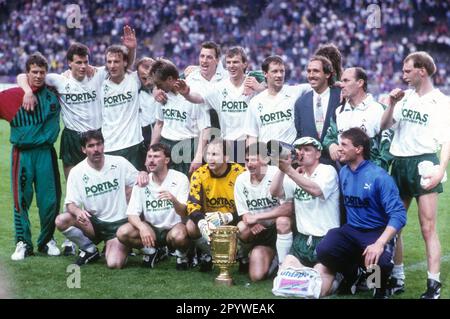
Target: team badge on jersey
{"type": "Point", "coordinates": [85, 178]}
{"type": "Point", "coordinates": [224, 93]}
{"type": "Point", "coordinates": [260, 107]}
{"type": "Point", "coordinates": [245, 192]}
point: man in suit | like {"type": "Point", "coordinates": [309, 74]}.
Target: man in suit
{"type": "Point", "coordinates": [314, 109]}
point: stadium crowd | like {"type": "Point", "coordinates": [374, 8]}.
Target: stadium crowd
{"type": "Point", "coordinates": [316, 176]}
{"type": "Point", "coordinates": [292, 29]}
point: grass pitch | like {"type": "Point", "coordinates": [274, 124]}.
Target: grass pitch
{"type": "Point", "coordinates": [47, 277]}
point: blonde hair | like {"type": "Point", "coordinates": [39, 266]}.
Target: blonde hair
{"type": "Point", "coordinates": [422, 59]}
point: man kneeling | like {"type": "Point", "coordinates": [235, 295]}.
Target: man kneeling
{"type": "Point", "coordinates": [259, 211]}
{"type": "Point", "coordinates": [96, 202]}
{"type": "Point", "coordinates": [155, 212]}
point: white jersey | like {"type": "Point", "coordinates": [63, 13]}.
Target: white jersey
{"type": "Point", "coordinates": [81, 110]}
{"type": "Point", "coordinates": [101, 193]}
{"type": "Point", "coordinates": [422, 123]}
{"type": "Point", "coordinates": [160, 213]}
{"type": "Point", "coordinates": [255, 198]}
{"type": "Point", "coordinates": [316, 215]}
{"type": "Point", "coordinates": [272, 117]}
{"type": "Point", "coordinates": [231, 106]}
{"type": "Point", "coordinates": [147, 108]}
{"type": "Point", "coordinates": [182, 119]}
{"type": "Point", "coordinates": [120, 105]}
{"type": "Point", "coordinates": [366, 115]}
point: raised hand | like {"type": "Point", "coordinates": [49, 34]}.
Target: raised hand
{"type": "Point", "coordinates": [129, 37]}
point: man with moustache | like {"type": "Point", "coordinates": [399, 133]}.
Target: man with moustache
{"type": "Point", "coordinates": [156, 212]}
{"type": "Point", "coordinates": [96, 202]}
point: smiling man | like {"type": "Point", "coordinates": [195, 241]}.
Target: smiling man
{"type": "Point", "coordinates": [315, 109]}
{"type": "Point", "coordinates": [34, 161]}
{"type": "Point", "coordinates": [230, 99]}
{"type": "Point", "coordinates": [79, 94]}
{"type": "Point", "coordinates": [119, 97]}
{"type": "Point", "coordinates": [375, 214]}
{"type": "Point", "coordinates": [270, 115]}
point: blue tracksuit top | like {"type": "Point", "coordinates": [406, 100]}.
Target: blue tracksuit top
{"type": "Point", "coordinates": [371, 197]}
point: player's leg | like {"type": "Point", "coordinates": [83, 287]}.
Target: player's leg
{"type": "Point", "coordinates": [427, 216]}
{"type": "Point", "coordinates": [178, 239]}
{"type": "Point", "coordinates": [82, 235]}
{"type": "Point", "coordinates": [328, 279]}
{"type": "Point", "coordinates": [116, 254]}
{"type": "Point", "coordinates": [397, 281]}
{"type": "Point", "coordinates": [48, 197]}
{"type": "Point", "coordinates": [245, 239]}
{"type": "Point", "coordinates": [340, 252]}
{"type": "Point", "coordinates": [129, 235]}
{"type": "Point", "coordinates": [284, 237]}
{"type": "Point", "coordinates": [203, 248]}
{"type": "Point", "coordinates": [22, 188]}
{"type": "Point", "coordinates": [260, 259]}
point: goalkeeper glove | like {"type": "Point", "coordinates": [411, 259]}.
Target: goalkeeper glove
{"type": "Point", "coordinates": [218, 219]}
{"type": "Point", "coordinates": [205, 230]}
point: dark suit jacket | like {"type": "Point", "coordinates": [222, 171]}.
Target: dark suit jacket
{"type": "Point", "coordinates": [305, 123]}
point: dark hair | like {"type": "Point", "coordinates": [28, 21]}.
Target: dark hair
{"type": "Point", "coordinates": [327, 67]}
{"type": "Point", "coordinates": [258, 148]}
{"type": "Point", "coordinates": [37, 59]}
{"type": "Point", "coordinates": [77, 49]}
{"type": "Point", "coordinates": [358, 138]}
{"type": "Point", "coordinates": [360, 74]}
{"type": "Point", "coordinates": [162, 69]}
{"type": "Point", "coordinates": [271, 59]}
{"type": "Point", "coordinates": [218, 140]}
{"type": "Point", "coordinates": [85, 137]}
{"type": "Point", "coordinates": [160, 147]}
{"type": "Point", "coordinates": [212, 45]}
{"type": "Point", "coordinates": [331, 52]}
{"type": "Point", "coordinates": [422, 59]}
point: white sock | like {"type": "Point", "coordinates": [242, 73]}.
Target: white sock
{"type": "Point", "coordinates": [434, 276]}
{"type": "Point", "coordinates": [181, 254]}
{"type": "Point", "coordinates": [398, 272]}
{"type": "Point", "coordinates": [284, 243]}
{"type": "Point", "coordinates": [78, 237]}
{"type": "Point", "coordinates": [148, 250]}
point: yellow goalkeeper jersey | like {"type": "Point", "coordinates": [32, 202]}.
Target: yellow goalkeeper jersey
{"type": "Point", "coordinates": [211, 193]}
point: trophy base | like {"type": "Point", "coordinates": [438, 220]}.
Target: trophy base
{"type": "Point", "coordinates": [224, 281]}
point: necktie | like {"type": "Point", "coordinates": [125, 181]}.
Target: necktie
{"type": "Point", "coordinates": [319, 116]}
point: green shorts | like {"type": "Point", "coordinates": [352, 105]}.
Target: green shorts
{"type": "Point", "coordinates": [179, 159]}
{"type": "Point", "coordinates": [267, 237]}
{"type": "Point", "coordinates": [70, 148]}
{"type": "Point", "coordinates": [304, 249]}
{"type": "Point", "coordinates": [161, 235]}
{"type": "Point", "coordinates": [105, 231]}
{"type": "Point", "coordinates": [134, 154]}
{"type": "Point", "coordinates": [406, 175]}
